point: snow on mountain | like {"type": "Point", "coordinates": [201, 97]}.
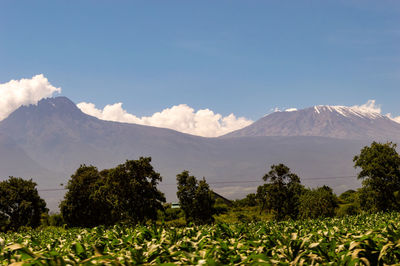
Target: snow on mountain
{"type": "Point", "coordinates": [357, 122]}
{"type": "Point", "coordinates": [348, 111]}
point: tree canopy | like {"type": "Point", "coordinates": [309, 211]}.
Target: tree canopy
{"type": "Point", "coordinates": [20, 204]}
{"type": "Point", "coordinates": [281, 193]}
{"type": "Point", "coordinates": [195, 198]}
{"type": "Point", "coordinates": [82, 205]}
{"type": "Point", "coordinates": [318, 202]}
{"type": "Point", "coordinates": [131, 190]}
{"type": "Point", "coordinates": [126, 193]}
{"type": "Point", "coordinates": [380, 171]}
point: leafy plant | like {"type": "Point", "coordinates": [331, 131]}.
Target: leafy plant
{"type": "Point", "coordinates": [364, 239]}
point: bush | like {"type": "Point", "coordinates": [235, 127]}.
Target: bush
{"type": "Point", "coordinates": [173, 214]}
{"type": "Point", "coordinates": [320, 202]}
{"type": "Point", "coordinates": [347, 209]}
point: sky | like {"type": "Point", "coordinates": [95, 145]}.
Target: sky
{"type": "Point", "coordinates": [210, 66]}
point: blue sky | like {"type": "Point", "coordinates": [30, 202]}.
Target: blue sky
{"type": "Point", "coordinates": [241, 57]}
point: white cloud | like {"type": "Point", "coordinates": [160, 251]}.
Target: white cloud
{"type": "Point", "coordinates": [181, 117]}
{"type": "Point", "coordinates": [15, 93]}
{"type": "Point", "coordinates": [369, 107]}
{"type": "Point", "coordinates": [396, 118]}
{"type": "Point", "coordinates": [372, 107]}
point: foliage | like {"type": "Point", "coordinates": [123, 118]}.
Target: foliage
{"type": "Point", "coordinates": [380, 171]}
{"type": "Point", "coordinates": [126, 193]}
{"type": "Point", "coordinates": [220, 206]}
{"type": "Point", "coordinates": [250, 200]}
{"type": "Point", "coordinates": [195, 198]}
{"type": "Point", "coordinates": [173, 214]}
{"type": "Point", "coordinates": [80, 206]}
{"type": "Point", "coordinates": [319, 202]}
{"type": "Point", "coordinates": [348, 209]}
{"type": "Point", "coordinates": [53, 219]}
{"type": "Point", "coordinates": [20, 204]}
{"type": "Point", "coordinates": [131, 190]}
{"type": "Point", "coordinates": [281, 194]}
{"type": "Point", "coordinates": [169, 216]}
{"type": "Point", "coordinates": [350, 203]}
{"type": "Point", "coordinates": [243, 214]}
{"type": "Point", "coordinates": [354, 240]}
{"type": "Point", "coordinates": [348, 196]}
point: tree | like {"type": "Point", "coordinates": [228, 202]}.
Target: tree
{"type": "Point", "coordinates": [349, 196]}
{"type": "Point", "coordinates": [250, 200]}
{"type": "Point", "coordinates": [319, 202]}
{"type": "Point", "coordinates": [195, 198]}
{"type": "Point", "coordinates": [126, 193]}
{"type": "Point", "coordinates": [350, 203]}
{"type": "Point", "coordinates": [380, 171]}
{"type": "Point", "coordinates": [281, 193]}
{"type": "Point", "coordinates": [82, 207]}
{"type": "Point", "coordinates": [131, 190]}
{"type": "Point", "coordinates": [20, 204]}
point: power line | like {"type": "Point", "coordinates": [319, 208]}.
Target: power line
{"type": "Point", "coordinates": [224, 182]}
{"type": "Point", "coordinates": [261, 181]}
{"type": "Point", "coordinates": [52, 189]}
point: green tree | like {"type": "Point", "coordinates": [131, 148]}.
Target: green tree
{"type": "Point", "coordinates": [195, 198]}
{"type": "Point", "coordinates": [348, 196]}
{"type": "Point", "coordinates": [81, 206]}
{"type": "Point", "coordinates": [281, 193]}
{"type": "Point", "coordinates": [380, 171]}
{"type": "Point", "coordinates": [126, 193]}
{"type": "Point", "coordinates": [250, 200]}
{"type": "Point", "coordinates": [20, 204]}
{"type": "Point", "coordinates": [319, 202]}
{"type": "Point", "coordinates": [131, 190]}
{"type": "Point", "coordinates": [350, 203]}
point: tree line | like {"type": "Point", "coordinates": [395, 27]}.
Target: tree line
{"type": "Point", "coordinates": [128, 194]}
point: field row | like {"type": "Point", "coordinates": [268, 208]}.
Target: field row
{"type": "Point", "coordinates": [371, 239]}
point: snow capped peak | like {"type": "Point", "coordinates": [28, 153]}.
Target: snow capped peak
{"type": "Point", "coordinates": [369, 110]}
{"type": "Point", "coordinates": [359, 111]}
{"type": "Point", "coordinates": [337, 121]}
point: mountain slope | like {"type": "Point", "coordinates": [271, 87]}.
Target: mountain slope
{"type": "Point", "coordinates": [324, 121]}
{"type": "Point", "coordinates": [56, 128]}
{"type": "Point", "coordinates": [15, 162]}
{"type": "Point", "coordinates": [55, 135]}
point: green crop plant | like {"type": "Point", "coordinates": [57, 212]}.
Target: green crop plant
{"type": "Point", "coordinates": [364, 239]}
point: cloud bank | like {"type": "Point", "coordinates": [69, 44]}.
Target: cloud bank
{"type": "Point", "coordinates": [181, 117]}
{"type": "Point", "coordinates": [15, 93]}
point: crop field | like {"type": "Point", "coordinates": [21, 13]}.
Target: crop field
{"type": "Point", "coordinates": [372, 239]}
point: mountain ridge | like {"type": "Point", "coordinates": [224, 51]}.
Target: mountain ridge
{"type": "Point", "coordinates": [325, 121]}
{"type": "Point", "coordinates": [57, 138]}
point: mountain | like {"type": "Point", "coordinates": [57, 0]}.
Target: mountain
{"type": "Point", "coordinates": [324, 121]}
{"type": "Point", "coordinates": [15, 162]}
{"type": "Point", "coordinates": [48, 142]}
{"type": "Point", "coordinates": [55, 128]}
